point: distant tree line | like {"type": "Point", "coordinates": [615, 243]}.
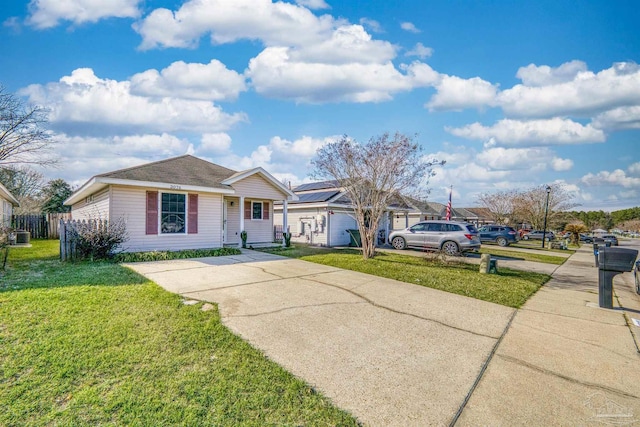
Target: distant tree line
{"type": "Point", "coordinates": [528, 207]}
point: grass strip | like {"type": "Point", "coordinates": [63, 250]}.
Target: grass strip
{"type": "Point", "coordinates": [509, 287]}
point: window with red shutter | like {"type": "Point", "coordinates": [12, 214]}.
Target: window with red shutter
{"type": "Point", "coordinates": [192, 222]}
{"type": "Point", "coordinates": [247, 210]}
{"type": "Point", "coordinates": [265, 210]}
{"type": "Point", "coordinates": [152, 213]}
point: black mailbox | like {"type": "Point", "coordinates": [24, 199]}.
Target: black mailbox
{"type": "Point", "coordinates": [612, 261]}
{"type": "Point", "coordinates": [617, 259]}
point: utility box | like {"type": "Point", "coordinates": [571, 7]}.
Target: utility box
{"type": "Point", "coordinates": [611, 262]}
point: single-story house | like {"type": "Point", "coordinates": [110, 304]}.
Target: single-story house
{"type": "Point", "coordinates": [323, 214]}
{"type": "Point", "coordinates": [8, 202]}
{"type": "Point", "coordinates": [184, 203]}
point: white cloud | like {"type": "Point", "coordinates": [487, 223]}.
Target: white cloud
{"type": "Point", "coordinates": [276, 73]}
{"type": "Point", "coordinates": [510, 159]}
{"type": "Point", "coordinates": [455, 93]}
{"type": "Point", "coordinates": [420, 50]}
{"type": "Point", "coordinates": [410, 27]}
{"type": "Point", "coordinates": [558, 164]}
{"type": "Point", "coordinates": [280, 156]}
{"type": "Point", "coordinates": [586, 94]}
{"type": "Point", "coordinates": [619, 118]}
{"type": "Point", "coordinates": [509, 132]}
{"type": "Point", "coordinates": [372, 25]}
{"type": "Point", "coordinates": [618, 178]}
{"type": "Point", "coordinates": [347, 44]}
{"type": "Point", "coordinates": [275, 24]}
{"type": "Point", "coordinates": [84, 103]}
{"type": "Point", "coordinates": [634, 169]}
{"type": "Point", "coordinates": [533, 75]}
{"type": "Point", "coordinates": [48, 13]}
{"type": "Point", "coordinates": [212, 81]}
{"type": "Point", "coordinates": [313, 4]}
{"type": "Point", "coordinates": [214, 144]}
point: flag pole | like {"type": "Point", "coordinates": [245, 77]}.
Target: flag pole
{"type": "Point", "coordinates": [448, 217]}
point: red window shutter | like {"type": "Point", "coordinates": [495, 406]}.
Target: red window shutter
{"type": "Point", "coordinates": [152, 212]}
{"type": "Point", "coordinates": [247, 210]}
{"type": "Point", "coordinates": [193, 214]}
{"type": "Point", "coordinates": [265, 210]}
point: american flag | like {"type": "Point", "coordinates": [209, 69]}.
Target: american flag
{"type": "Point", "coordinates": [448, 217]}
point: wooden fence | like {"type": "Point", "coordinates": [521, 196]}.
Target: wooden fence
{"type": "Point", "coordinates": [68, 240]}
{"type": "Point", "coordinates": [40, 226]}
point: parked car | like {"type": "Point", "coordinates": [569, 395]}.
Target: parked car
{"type": "Point", "coordinates": [500, 234]}
{"type": "Point", "coordinates": [451, 237]}
{"type": "Point", "coordinates": [586, 238]}
{"type": "Point", "coordinates": [537, 235]}
{"type": "Point", "coordinates": [610, 238]}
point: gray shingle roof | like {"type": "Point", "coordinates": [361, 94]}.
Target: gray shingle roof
{"type": "Point", "coordinates": [183, 170]}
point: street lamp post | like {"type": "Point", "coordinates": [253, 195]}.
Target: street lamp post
{"type": "Point", "coordinates": [546, 212]}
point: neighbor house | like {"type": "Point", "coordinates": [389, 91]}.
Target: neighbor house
{"type": "Point", "coordinates": [8, 203]}
{"type": "Point", "coordinates": [323, 215]}
{"type": "Point", "coordinates": [183, 203]}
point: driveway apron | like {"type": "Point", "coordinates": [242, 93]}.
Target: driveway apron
{"type": "Point", "coordinates": [389, 352]}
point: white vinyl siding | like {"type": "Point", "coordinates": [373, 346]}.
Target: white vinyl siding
{"type": "Point", "coordinates": [258, 188]}
{"type": "Point", "coordinates": [7, 211]}
{"type": "Point", "coordinates": [259, 230]}
{"type": "Point", "coordinates": [254, 188]}
{"type": "Point", "coordinates": [332, 233]}
{"type": "Point", "coordinates": [130, 203]}
{"type": "Point", "coordinates": [95, 206]}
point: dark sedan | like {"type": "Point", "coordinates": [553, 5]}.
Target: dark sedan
{"type": "Point", "coordinates": [537, 235]}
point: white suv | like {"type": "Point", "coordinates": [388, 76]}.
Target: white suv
{"type": "Point", "coordinates": [451, 237]}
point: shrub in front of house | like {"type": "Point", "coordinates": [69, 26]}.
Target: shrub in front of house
{"type": "Point", "coordinates": [97, 239]}
{"type": "Point", "coordinates": [168, 255]}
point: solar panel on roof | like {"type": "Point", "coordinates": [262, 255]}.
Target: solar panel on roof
{"type": "Point", "coordinates": [316, 186]}
{"type": "Point", "coordinates": [320, 196]}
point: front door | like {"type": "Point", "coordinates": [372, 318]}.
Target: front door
{"type": "Point", "coordinates": [225, 227]}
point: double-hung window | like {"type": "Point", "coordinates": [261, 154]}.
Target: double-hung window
{"type": "Point", "coordinates": [173, 213]}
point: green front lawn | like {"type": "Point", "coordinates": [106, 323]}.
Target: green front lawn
{"type": "Point", "coordinates": [509, 287]}
{"type": "Point", "coordinates": [96, 344]}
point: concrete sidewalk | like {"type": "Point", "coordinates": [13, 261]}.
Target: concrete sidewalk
{"type": "Point", "coordinates": [564, 360]}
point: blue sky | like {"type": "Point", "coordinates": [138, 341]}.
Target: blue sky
{"type": "Point", "coordinates": [511, 94]}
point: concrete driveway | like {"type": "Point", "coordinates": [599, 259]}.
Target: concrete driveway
{"type": "Point", "coordinates": [391, 353]}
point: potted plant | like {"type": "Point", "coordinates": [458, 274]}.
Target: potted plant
{"type": "Point", "coordinates": [243, 236]}
{"type": "Point", "coordinates": [287, 239]}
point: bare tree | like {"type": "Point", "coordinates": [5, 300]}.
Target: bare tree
{"type": "Point", "coordinates": [25, 184]}
{"type": "Point", "coordinates": [531, 205]}
{"type": "Point", "coordinates": [373, 175]}
{"type": "Point", "coordinates": [500, 205]}
{"type": "Point", "coordinates": [23, 137]}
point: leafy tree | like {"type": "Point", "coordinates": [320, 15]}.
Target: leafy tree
{"type": "Point", "coordinates": [23, 137]}
{"type": "Point", "coordinates": [373, 175]}
{"type": "Point", "coordinates": [575, 228]}
{"type": "Point", "coordinates": [54, 194]}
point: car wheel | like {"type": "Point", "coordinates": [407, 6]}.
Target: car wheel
{"type": "Point", "coordinates": [525, 237]}
{"type": "Point", "coordinates": [399, 243]}
{"type": "Point", "coordinates": [450, 248]}
{"type": "Point", "coordinates": [502, 241]}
